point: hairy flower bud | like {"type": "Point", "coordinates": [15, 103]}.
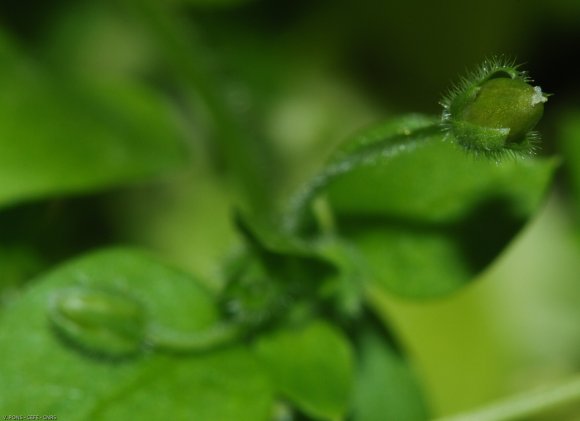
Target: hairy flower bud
{"type": "Point", "coordinates": [494, 110]}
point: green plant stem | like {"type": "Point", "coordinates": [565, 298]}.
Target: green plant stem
{"type": "Point", "coordinates": [194, 342]}
{"type": "Point", "coordinates": [390, 146]}
{"type": "Point", "coordinates": [523, 406]}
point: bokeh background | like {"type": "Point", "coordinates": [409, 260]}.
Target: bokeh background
{"type": "Point", "coordinates": [305, 74]}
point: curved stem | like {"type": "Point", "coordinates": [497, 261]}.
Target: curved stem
{"type": "Point", "coordinates": [388, 146]}
{"type": "Point", "coordinates": [525, 405]}
{"type": "Point", "coordinates": [194, 342]}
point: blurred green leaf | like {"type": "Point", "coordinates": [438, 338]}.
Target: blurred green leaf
{"type": "Point", "coordinates": [60, 137]}
{"type": "Point", "coordinates": [62, 379]}
{"type": "Point", "coordinates": [386, 388]}
{"type": "Point", "coordinates": [97, 43]}
{"type": "Point", "coordinates": [569, 140]}
{"type": "Point", "coordinates": [425, 217]}
{"type": "Point", "coordinates": [387, 132]}
{"type": "Point", "coordinates": [210, 86]}
{"type": "Point", "coordinates": [312, 367]}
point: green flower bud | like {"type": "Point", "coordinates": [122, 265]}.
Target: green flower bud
{"type": "Point", "coordinates": [494, 111]}
{"type": "Point", "coordinates": [101, 322]}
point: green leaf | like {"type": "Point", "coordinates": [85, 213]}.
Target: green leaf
{"type": "Point", "coordinates": [223, 386]}
{"type": "Point", "coordinates": [386, 387]}
{"type": "Point", "coordinates": [312, 367]}
{"type": "Point", "coordinates": [569, 142]}
{"type": "Point", "coordinates": [384, 133]}
{"type": "Point", "coordinates": [60, 136]}
{"type": "Point", "coordinates": [425, 217]}
{"type": "Point", "coordinates": [63, 379]}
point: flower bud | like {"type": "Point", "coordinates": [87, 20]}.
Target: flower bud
{"type": "Point", "coordinates": [494, 111]}
{"type": "Point", "coordinates": [101, 322]}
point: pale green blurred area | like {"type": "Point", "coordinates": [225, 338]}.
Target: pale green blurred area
{"type": "Point", "coordinates": [515, 328]}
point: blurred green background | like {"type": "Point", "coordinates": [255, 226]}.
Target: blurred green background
{"type": "Point", "coordinates": [77, 76]}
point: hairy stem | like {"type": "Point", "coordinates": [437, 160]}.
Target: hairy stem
{"type": "Point", "coordinates": [385, 147]}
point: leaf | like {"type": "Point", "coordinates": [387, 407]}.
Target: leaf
{"type": "Point", "coordinates": [311, 366]}
{"type": "Point", "coordinates": [386, 387]}
{"type": "Point", "coordinates": [387, 132]}
{"type": "Point", "coordinates": [58, 136]}
{"type": "Point", "coordinates": [224, 386]}
{"type": "Point", "coordinates": [65, 380]}
{"type": "Point", "coordinates": [425, 217]}
{"type": "Point", "coordinates": [569, 142]}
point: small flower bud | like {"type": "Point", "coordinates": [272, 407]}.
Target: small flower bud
{"type": "Point", "coordinates": [494, 111]}
{"type": "Point", "coordinates": [101, 322]}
